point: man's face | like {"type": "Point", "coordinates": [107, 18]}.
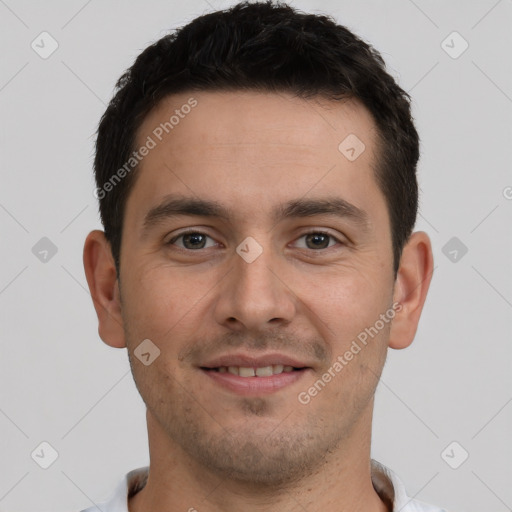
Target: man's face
{"type": "Point", "coordinates": [321, 276]}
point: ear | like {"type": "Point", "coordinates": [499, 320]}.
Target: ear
{"type": "Point", "coordinates": [101, 276]}
{"type": "Point", "coordinates": [411, 287]}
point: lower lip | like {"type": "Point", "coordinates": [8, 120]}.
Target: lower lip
{"type": "Point", "coordinates": [251, 386]}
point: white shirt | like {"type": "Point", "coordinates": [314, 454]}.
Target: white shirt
{"type": "Point", "coordinates": [388, 486]}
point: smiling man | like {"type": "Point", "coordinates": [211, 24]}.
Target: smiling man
{"type": "Point", "coordinates": [256, 177]}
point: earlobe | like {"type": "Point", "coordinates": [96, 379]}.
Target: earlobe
{"type": "Point", "coordinates": [411, 287]}
{"type": "Point", "coordinates": [101, 277]}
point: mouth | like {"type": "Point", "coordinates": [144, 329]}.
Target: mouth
{"type": "Point", "coordinates": [250, 376]}
{"type": "Point", "coordinates": [247, 371]}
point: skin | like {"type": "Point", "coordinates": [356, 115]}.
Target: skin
{"type": "Point", "coordinates": [210, 448]}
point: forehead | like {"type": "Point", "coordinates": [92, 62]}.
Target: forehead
{"type": "Point", "coordinates": [250, 117]}
{"type": "Point", "coordinates": [254, 147]}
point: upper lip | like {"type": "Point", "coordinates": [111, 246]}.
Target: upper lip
{"type": "Point", "coordinates": [253, 361]}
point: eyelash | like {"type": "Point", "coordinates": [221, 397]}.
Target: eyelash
{"type": "Point", "coordinates": [312, 232]}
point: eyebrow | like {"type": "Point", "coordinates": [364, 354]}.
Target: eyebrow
{"type": "Point", "coordinates": [173, 206]}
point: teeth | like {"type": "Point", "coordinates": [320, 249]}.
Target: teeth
{"type": "Point", "coordinates": [246, 372]}
{"type": "Point", "coordinates": [265, 371]}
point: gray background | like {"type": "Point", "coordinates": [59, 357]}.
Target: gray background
{"type": "Point", "coordinates": [62, 385]}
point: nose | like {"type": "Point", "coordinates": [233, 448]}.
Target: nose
{"type": "Point", "coordinates": [255, 296]}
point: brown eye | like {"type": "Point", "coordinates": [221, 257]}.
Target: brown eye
{"type": "Point", "coordinates": [192, 240]}
{"type": "Point", "coordinates": [317, 240]}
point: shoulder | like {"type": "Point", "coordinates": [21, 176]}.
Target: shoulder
{"type": "Point", "coordinates": [130, 484]}
{"type": "Point", "coordinates": [389, 486]}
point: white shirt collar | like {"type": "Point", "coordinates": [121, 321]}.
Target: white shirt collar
{"type": "Point", "coordinates": [385, 482]}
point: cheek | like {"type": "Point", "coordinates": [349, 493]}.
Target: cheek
{"type": "Point", "coordinates": [348, 311]}
{"type": "Point", "coordinates": [346, 302]}
{"type": "Point", "coordinates": [158, 298]}
{"type": "Point", "coordinates": [158, 385]}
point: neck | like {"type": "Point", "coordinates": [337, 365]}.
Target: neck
{"type": "Point", "coordinates": [176, 482]}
